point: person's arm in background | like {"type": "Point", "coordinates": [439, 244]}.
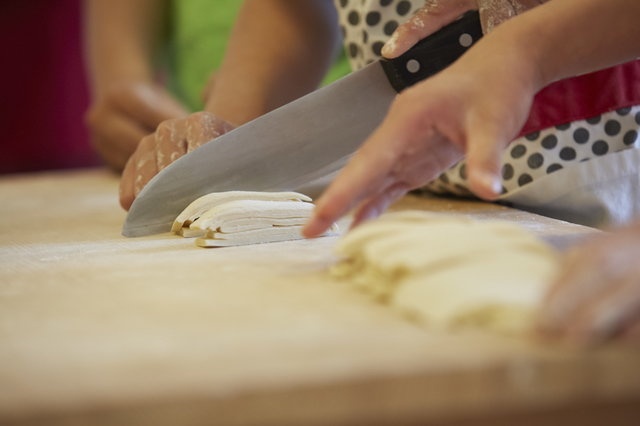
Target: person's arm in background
{"type": "Point", "coordinates": [477, 106]}
{"type": "Point", "coordinates": [120, 39]}
{"type": "Point", "coordinates": [279, 50]}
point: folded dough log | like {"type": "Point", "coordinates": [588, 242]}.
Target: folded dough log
{"type": "Point", "coordinates": [207, 202]}
{"type": "Point", "coordinates": [448, 270]}
{"type": "Point", "coordinates": [500, 293]}
{"type": "Point", "coordinates": [241, 222]}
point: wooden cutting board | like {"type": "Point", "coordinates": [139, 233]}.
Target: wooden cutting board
{"type": "Point", "coordinates": [96, 328]}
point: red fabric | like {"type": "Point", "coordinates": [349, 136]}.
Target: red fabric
{"type": "Point", "coordinates": [43, 91]}
{"type": "Point", "coordinates": [585, 96]}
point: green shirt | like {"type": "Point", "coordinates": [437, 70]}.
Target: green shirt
{"type": "Point", "coordinates": [199, 33]}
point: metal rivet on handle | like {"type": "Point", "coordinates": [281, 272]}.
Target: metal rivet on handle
{"type": "Point", "coordinates": [466, 40]}
{"type": "Point", "coordinates": [413, 66]}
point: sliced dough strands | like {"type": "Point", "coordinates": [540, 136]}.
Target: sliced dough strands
{"type": "Point", "coordinates": [239, 218]}
{"type": "Point", "coordinates": [251, 209]}
{"type": "Point", "coordinates": [248, 224]}
{"type": "Point", "coordinates": [252, 222]}
{"type": "Point", "coordinates": [207, 202]}
{"type": "Point", "coordinates": [254, 236]}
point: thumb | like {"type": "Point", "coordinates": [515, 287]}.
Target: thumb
{"type": "Point", "coordinates": [434, 15]}
{"type": "Point", "coordinates": [484, 161]}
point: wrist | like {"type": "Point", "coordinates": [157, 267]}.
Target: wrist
{"type": "Point", "coordinates": [500, 64]}
{"type": "Point", "coordinates": [234, 109]}
{"type": "Point", "coordinates": [518, 46]}
{"type": "Point", "coordinates": [127, 72]}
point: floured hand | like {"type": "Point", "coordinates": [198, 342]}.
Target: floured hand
{"type": "Point", "coordinates": [126, 112]}
{"type": "Point", "coordinates": [171, 140]}
{"type": "Point", "coordinates": [436, 14]}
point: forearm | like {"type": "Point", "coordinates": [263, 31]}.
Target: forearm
{"type": "Point", "coordinates": [564, 38]}
{"type": "Point", "coordinates": [279, 50]}
{"type": "Point", "coordinates": [120, 37]}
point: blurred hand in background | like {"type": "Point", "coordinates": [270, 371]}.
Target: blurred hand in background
{"type": "Point", "coordinates": [124, 114]}
{"type": "Point", "coordinates": [122, 38]}
{"type": "Point", "coordinates": [254, 78]}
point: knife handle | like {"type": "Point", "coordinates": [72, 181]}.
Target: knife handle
{"type": "Point", "coordinates": [433, 53]}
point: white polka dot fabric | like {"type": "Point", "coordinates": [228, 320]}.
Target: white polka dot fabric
{"type": "Point", "coordinates": [368, 24]}
{"type": "Point", "coordinates": [538, 154]}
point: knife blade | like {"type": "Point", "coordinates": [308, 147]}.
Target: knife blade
{"type": "Point", "coordinates": [298, 143]}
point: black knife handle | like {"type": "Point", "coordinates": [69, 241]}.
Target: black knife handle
{"type": "Point", "coordinates": [433, 53]}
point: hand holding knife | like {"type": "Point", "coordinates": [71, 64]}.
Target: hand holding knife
{"type": "Point", "coordinates": [300, 142]}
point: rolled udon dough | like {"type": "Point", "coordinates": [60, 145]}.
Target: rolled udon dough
{"type": "Point", "coordinates": [449, 271]}
{"type": "Point", "coordinates": [230, 219]}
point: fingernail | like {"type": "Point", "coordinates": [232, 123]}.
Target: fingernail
{"type": "Point", "coordinates": [489, 181]}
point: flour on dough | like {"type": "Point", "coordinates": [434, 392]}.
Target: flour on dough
{"type": "Point", "coordinates": [450, 271]}
{"type": "Point", "coordinates": [240, 218]}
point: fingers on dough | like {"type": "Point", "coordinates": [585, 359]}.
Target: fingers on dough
{"type": "Point", "coordinates": [450, 271]}
{"type": "Point", "coordinates": [240, 218]}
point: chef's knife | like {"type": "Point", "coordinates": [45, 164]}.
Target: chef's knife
{"type": "Point", "coordinates": [300, 142]}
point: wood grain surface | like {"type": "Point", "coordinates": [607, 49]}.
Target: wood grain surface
{"type": "Point", "coordinates": [99, 329]}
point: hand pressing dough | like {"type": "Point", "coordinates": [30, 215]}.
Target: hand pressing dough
{"type": "Point", "coordinates": [207, 202]}
{"type": "Point", "coordinates": [448, 271]}
{"type": "Point", "coordinates": [231, 220]}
